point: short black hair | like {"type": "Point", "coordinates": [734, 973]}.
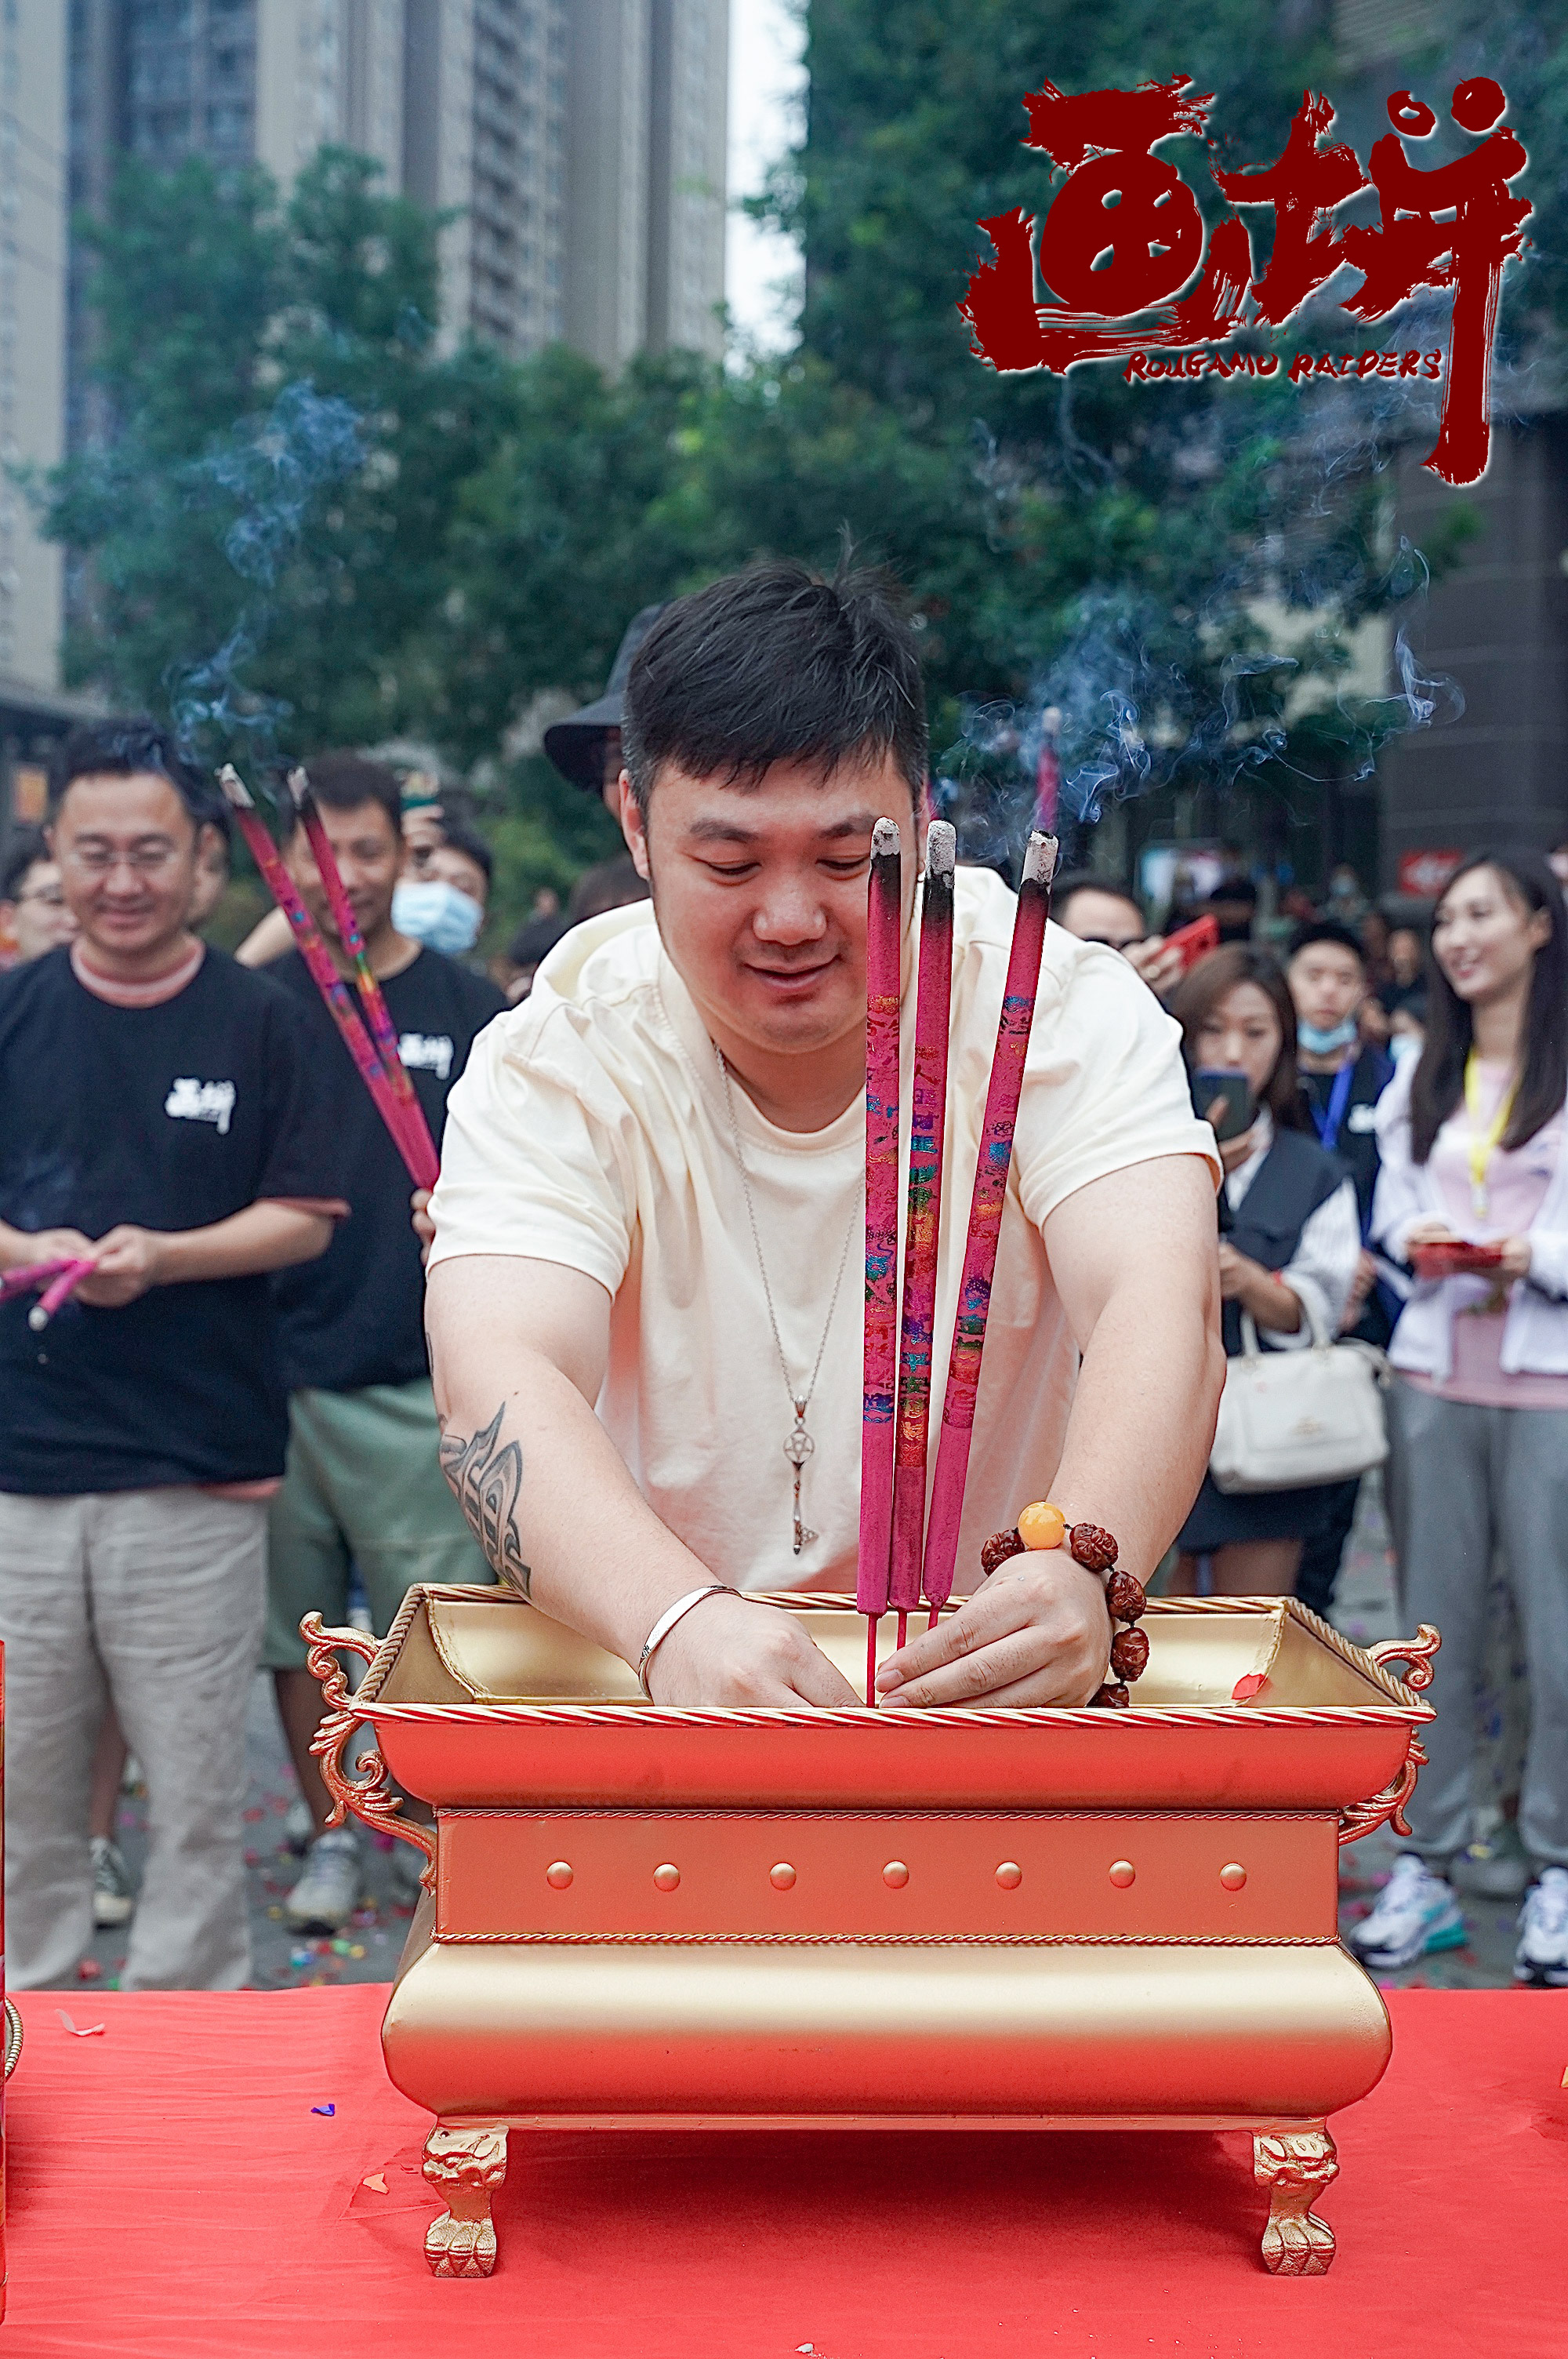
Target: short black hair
{"type": "Point", "coordinates": [27, 847]}
{"type": "Point", "coordinates": [344, 780]}
{"type": "Point", "coordinates": [776, 665]}
{"type": "Point", "coordinates": [1083, 880]}
{"type": "Point", "coordinates": [458, 836]}
{"type": "Point", "coordinates": [1327, 930]}
{"type": "Point", "coordinates": [126, 749]}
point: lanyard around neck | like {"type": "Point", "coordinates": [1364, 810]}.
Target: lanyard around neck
{"type": "Point", "coordinates": [1328, 1125]}
{"type": "Point", "coordinates": [1483, 1143]}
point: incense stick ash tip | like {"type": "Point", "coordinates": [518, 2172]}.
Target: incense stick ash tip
{"type": "Point", "coordinates": [941, 848]}
{"type": "Point", "coordinates": [235, 791]}
{"type": "Point", "coordinates": [298, 787]}
{"type": "Point", "coordinates": [886, 841]}
{"type": "Point", "coordinates": [1040, 860]}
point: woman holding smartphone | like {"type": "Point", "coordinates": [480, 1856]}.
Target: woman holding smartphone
{"type": "Point", "coordinates": [1474, 1191]}
{"type": "Point", "coordinates": [1289, 1242]}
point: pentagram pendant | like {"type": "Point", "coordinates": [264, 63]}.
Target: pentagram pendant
{"type": "Point", "coordinates": [797, 1449]}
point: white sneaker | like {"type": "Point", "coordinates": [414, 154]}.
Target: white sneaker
{"type": "Point", "coordinates": [1416, 1915]}
{"type": "Point", "coordinates": [113, 1893]}
{"type": "Point", "coordinates": [329, 1892]}
{"type": "Point", "coordinates": [1542, 1956]}
{"type": "Point", "coordinates": [299, 1825]}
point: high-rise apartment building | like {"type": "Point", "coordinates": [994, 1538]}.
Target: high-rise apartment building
{"type": "Point", "coordinates": [33, 218]}
{"type": "Point", "coordinates": [580, 144]}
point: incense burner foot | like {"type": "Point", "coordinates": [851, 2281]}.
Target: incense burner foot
{"type": "Point", "coordinates": [1295, 2165]}
{"type": "Point", "coordinates": [466, 2162]}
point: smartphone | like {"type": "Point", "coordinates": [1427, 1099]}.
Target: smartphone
{"type": "Point", "coordinates": [1211, 1082]}
{"type": "Point", "coordinates": [1196, 941]}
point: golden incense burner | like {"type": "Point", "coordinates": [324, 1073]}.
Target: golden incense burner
{"type": "Point", "coordinates": [641, 1917]}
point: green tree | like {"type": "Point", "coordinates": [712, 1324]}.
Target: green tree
{"type": "Point", "coordinates": [276, 395]}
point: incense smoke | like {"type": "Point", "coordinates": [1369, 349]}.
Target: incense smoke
{"type": "Point", "coordinates": [264, 476]}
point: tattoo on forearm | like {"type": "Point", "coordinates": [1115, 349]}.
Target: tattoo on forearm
{"type": "Point", "coordinates": [486, 1476]}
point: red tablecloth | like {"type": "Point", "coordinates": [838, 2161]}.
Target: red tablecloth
{"type": "Point", "coordinates": [173, 2192]}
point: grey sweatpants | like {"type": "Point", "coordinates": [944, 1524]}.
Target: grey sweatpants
{"type": "Point", "coordinates": [155, 1598]}
{"type": "Point", "coordinates": [1462, 1479]}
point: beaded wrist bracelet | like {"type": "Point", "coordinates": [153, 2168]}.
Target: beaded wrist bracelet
{"type": "Point", "coordinates": [1044, 1526]}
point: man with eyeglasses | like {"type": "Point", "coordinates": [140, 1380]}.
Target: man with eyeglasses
{"type": "Point", "coordinates": [34, 913]}
{"type": "Point", "coordinates": [159, 1117]}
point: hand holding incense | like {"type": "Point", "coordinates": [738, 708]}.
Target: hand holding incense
{"type": "Point", "coordinates": [323, 973]}
{"type": "Point", "coordinates": [32, 1273]}
{"type": "Point", "coordinates": [58, 1292]}
{"type": "Point", "coordinates": [991, 1168]}
{"type": "Point", "coordinates": [420, 1149]}
{"type": "Point", "coordinates": [927, 1127]}
{"type": "Point", "coordinates": [884, 943]}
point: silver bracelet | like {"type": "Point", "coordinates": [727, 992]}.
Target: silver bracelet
{"type": "Point", "coordinates": [666, 1622]}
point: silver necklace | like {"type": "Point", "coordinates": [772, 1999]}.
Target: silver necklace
{"type": "Point", "coordinates": [800, 1445]}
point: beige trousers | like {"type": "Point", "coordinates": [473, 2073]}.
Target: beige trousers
{"type": "Point", "coordinates": [155, 1598]}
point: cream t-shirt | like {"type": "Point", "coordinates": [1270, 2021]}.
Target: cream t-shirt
{"type": "Point", "coordinates": [590, 1129]}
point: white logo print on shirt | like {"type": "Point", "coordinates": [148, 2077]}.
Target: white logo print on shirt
{"type": "Point", "coordinates": [192, 1101]}
{"type": "Point", "coordinates": [427, 1053]}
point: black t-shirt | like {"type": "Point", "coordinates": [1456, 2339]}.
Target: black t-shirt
{"type": "Point", "coordinates": [170, 1118]}
{"type": "Point", "coordinates": [357, 1316]}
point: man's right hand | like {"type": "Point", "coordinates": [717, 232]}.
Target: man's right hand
{"type": "Point", "coordinates": [733, 1652]}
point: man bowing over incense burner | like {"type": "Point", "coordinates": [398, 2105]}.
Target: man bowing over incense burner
{"type": "Point", "coordinates": [644, 1301]}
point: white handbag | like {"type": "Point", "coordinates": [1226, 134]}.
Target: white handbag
{"type": "Point", "coordinates": [1288, 1419]}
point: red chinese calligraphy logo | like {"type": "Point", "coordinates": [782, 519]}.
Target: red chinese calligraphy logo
{"type": "Point", "coordinates": [1124, 237]}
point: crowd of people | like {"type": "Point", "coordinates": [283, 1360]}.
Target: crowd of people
{"type": "Point", "coordinates": [252, 1431]}
{"type": "Point", "coordinates": [1390, 1092]}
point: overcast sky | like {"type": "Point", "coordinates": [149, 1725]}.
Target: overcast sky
{"type": "Point", "coordinates": [766, 80]}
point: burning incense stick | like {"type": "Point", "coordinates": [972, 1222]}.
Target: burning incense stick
{"type": "Point", "coordinates": [884, 943]}
{"type": "Point", "coordinates": [382, 1029]}
{"type": "Point", "coordinates": [57, 1292]}
{"type": "Point", "coordinates": [991, 1168]}
{"type": "Point", "coordinates": [927, 1126]}
{"type": "Point", "coordinates": [1048, 770]}
{"type": "Point", "coordinates": [323, 973]}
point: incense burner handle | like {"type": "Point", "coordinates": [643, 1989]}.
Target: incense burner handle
{"type": "Point", "coordinates": [367, 1796]}
{"type": "Point", "coordinates": [1416, 1652]}
{"type": "Point", "coordinates": [1387, 1808]}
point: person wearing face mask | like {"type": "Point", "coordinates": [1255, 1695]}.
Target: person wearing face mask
{"type": "Point", "coordinates": [364, 1483]}
{"type": "Point", "coordinates": [443, 905]}
{"type": "Point", "coordinates": [1472, 1145]}
{"type": "Point", "coordinates": [1289, 1242]}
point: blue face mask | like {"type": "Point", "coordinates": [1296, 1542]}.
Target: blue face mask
{"type": "Point", "coordinates": [1308, 1037]}
{"type": "Point", "coordinates": [439, 916]}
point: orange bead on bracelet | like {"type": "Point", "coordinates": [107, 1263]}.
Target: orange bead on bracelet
{"type": "Point", "coordinates": [1042, 1526]}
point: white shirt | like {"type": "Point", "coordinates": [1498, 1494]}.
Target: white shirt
{"type": "Point", "coordinates": [1322, 1270]}
{"type": "Point", "coordinates": [590, 1129]}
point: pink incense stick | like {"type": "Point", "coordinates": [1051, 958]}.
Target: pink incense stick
{"type": "Point", "coordinates": [57, 1292]}
{"type": "Point", "coordinates": [1048, 770]}
{"type": "Point", "coordinates": [382, 1029]}
{"type": "Point", "coordinates": [991, 1168]}
{"type": "Point", "coordinates": [323, 973]}
{"type": "Point", "coordinates": [927, 1126]}
{"type": "Point", "coordinates": [884, 945]}
{"type": "Point", "coordinates": [23, 1279]}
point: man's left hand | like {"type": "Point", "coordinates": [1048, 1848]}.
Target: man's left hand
{"type": "Point", "coordinates": [128, 1261]}
{"type": "Point", "coordinates": [1037, 1632]}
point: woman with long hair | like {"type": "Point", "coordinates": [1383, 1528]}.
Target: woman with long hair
{"type": "Point", "coordinates": [1289, 1249]}
{"type": "Point", "coordinates": [1472, 1146]}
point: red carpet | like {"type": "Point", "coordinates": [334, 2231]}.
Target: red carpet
{"type": "Point", "coordinates": [172, 2193]}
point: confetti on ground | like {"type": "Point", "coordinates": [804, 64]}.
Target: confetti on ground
{"type": "Point", "coordinates": [328, 2110]}
{"type": "Point", "coordinates": [81, 2031]}
{"type": "Point", "coordinates": [376, 2180]}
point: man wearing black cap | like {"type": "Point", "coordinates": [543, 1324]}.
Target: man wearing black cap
{"type": "Point", "coordinates": [586, 746]}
